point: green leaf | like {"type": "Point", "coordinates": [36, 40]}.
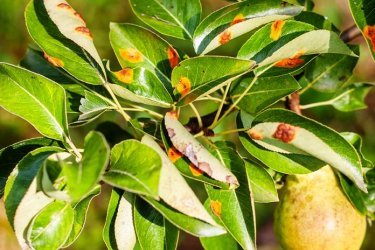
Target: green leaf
{"type": "Point", "coordinates": [237, 19]}
{"type": "Point", "coordinates": [271, 37]}
{"type": "Point", "coordinates": [234, 208]}
{"type": "Point", "coordinates": [364, 17]}
{"type": "Point", "coordinates": [92, 106]}
{"type": "Point", "coordinates": [80, 212]}
{"type": "Point", "coordinates": [119, 232]}
{"type": "Point", "coordinates": [135, 46]}
{"type": "Point", "coordinates": [20, 180]}
{"type": "Point", "coordinates": [317, 20]}
{"type": "Point", "coordinates": [171, 236]}
{"type": "Point", "coordinates": [11, 155]}
{"type": "Point", "coordinates": [265, 91]}
{"type": "Point", "coordinates": [356, 141]}
{"type": "Point", "coordinates": [370, 197]}
{"type": "Point", "coordinates": [52, 226]}
{"type": "Point", "coordinates": [221, 242]}
{"type": "Point", "coordinates": [352, 98]}
{"type": "Point", "coordinates": [286, 132]}
{"type": "Point", "coordinates": [186, 223]}
{"type": "Point", "coordinates": [261, 182]}
{"type": "Point", "coordinates": [177, 18]}
{"type": "Point", "coordinates": [355, 195]}
{"type": "Point", "coordinates": [198, 155]}
{"type": "Point", "coordinates": [62, 49]}
{"type": "Point", "coordinates": [34, 98]}
{"type": "Point", "coordinates": [135, 167]}
{"type": "Point", "coordinates": [198, 76]}
{"type": "Point", "coordinates": [173, 188]}
{"type": "Point", "coordinates": [141, 86]}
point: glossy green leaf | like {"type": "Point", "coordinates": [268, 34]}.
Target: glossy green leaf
{"type": "Point", "coordinates": [171, 236]}
{"type": "Point", "coordinates": [11, 155]}
{"type": "Point", "coordinates": [237, 19]}
{"type": "Point", "coordinates": [234, 208]}
{"type": "Point", "coordinates": [364, 17]}
{"type": "Point", "coordinates": [352, 98]}
{"type": "Point", "coordinates": [356, 141]}
{"type": "Point", "coordinates": [187, 144]}
{"type": "Point", "coordinates": [286, 132]}
{"type": "Point", "coordinates": [355, 195]}
{"type": "Point", "coordinates": [60, 49]}
{"type": "Point", "coordinates": [265, 91]}
{"type": "Point", "coordinates": [198, 76]}
{"type": "Point", "coordinates": [135, 46]}
{"type": "Point", "coordinates": [186, 223]}
{"type": "Point", "coordinates": [52, 226]}
{"type": "Point", "coordinates": [141, 86]}
{"type": "Point", "coordinates": [21, 178]}
{"type": "Point", "coordinates": [135, 167]}
{"type": "Point", "coordinates": [370, 197]}
{"type": "Point", "coordinates": [34, 98]}
{"type": "Point", "coordinates": [119, 232]}
{"type": "Point", "coordinates": [317, 20]}
{"type": "Point", "coordinates": [271, 37]}
{"type": "Point", "coordinates": [221, 242]}
{"type": "Point", "coordinates": [261, 182]}
{"type": "Point", "coordinates": [177, 18]}
{"type": "Point", "coordinates": [92, 106]}
{"type": "Point", "coordinates": [80, 212]}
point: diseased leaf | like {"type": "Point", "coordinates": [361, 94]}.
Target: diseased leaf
{"type": "Point", "coordinates": [53, 38]}
{"type": "Point", "coordinates": [135, 167]}
{"type": "Point", "coordinates": [52, 226]}
{"type": "Point", "coordinates": [237, 19]}
{"type": "Point", "coordinates": [177, 18]}
{"type": "Point", "coordinates": [197, 76]}
{"type": "Point", "coordinates": [286, 132]}
{"type": "Point", "coordinates": [34, 98]}
{"type": "Point", "coordinates": [185, 143]}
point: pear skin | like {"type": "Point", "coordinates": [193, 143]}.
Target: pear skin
{"type": "Point", "coordinates": [314, 214]}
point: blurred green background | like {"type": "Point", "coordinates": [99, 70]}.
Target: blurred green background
{"type": "Point", "coordinates": [98, 13]}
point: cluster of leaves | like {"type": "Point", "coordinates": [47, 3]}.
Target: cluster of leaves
{"type": "Point", "coordinates": [48, 182]}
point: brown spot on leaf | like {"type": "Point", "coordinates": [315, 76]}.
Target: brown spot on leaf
{"type": "Point", "coordinates": [125, 75]}
{"type": "Point", "coordinates": [64, 6]}
{"type": "Point", "coordinates": [84, 30]}
{"type": "Point", "coordinates": [205, 167]}
{"type": "Point", "coordinates": [131, 55]}
{"type": "Point", "coordinates": [237, 19]}
{"type": "Point", "coordinates": [292, 62]}
{"type": "Point", "coordinates": [173, 57]}
{"type": "Point", "coordinates": [276, 29]}
{"type": "Point", "coordinates": [76, 14]}
{"type": "Point", "coordinates": [171, 132]}
{"type": "Point", "coordinates": [54, 61]}
{"type": "Point", "coordinates": [225, 37]}
{"type": "Point", "coordinates": [369, 32]}
{"type": "Point", "coordinates": [255, 135]}
{"type": "Point", "coordinates": [216, 207]}
{"type": "Point", "coordinates": [194, 170]}
{"type": "Point", "coordinates": [285, 132]}
{"type": "Point", "coordinates": [174, 154]}
{"type": "Point", "coordinates": [183, 86]}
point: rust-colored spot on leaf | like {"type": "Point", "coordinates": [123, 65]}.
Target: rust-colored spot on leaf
{"type": "Point", "coordinates": [237, 19]}
{"type": "Point", "coordinates": [369, 32]}
{"type": "Point", "coordinates": [183, 86]}
{"type": "Point", "coordinates": [225, 37]}
{"type": "Point", "coordinates": [173, 57]}
{"type": "Point", "coordinates": [216, 208]}
{"type": "Point", "coordinates": [54, 61]}
{"type": "Point", "coordinates": [292, 62]}
{"type": "Point", "coordinates": [194, 170]}
{"type": "Point", "coordinates": [125, 75]}
{"type": "Point", "coordinates": [172, 114]}
{"type": "Point", "coordinates": [76, 14]}
{"type": "Point", "coordinates": [64, 6]}
{"type": "Point", "coordinates": [131, 55]}
{"type": "Point", "coordinates": [285, 132]}
{"type": "Point", "coordinates": [255, 135]}
{"type": "Point", "coordinates": [276, 29]}
{"type": "Point", "coordinates": [84, 30]}
{"type": "Point", "coordinates": [173, 154]}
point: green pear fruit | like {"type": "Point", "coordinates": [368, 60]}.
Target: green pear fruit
{"type": "Point", "coordinates": [314, 214]}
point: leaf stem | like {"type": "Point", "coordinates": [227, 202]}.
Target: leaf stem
{"type": "Point", "coordinates": [199, 118]}
{"type": "Point", "coordinates": [151, 112]}
{"type": "Point", "coordinates": [119, 107]}
{"type": "Point", "coordinates": [217, 116]}
{"type": "Point", "coordinates": [73, 148]}
{"type": "Point", "coordinates": [325, 103]}
{"type": "Point", "coordinates": [231, 131]}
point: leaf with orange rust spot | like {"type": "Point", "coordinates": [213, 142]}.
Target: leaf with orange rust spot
{"type": "Point", "coordinates": [369, 32]}
{"type": "Point", "coordinates": [276, 29]}
{"type": "Point", "coordinates": [125, 75]}
{"type": "Point", "coordinates": [54, 61]}
{"type": "Point", "coordinates": [216, 207]}
{"type": "Point", "coordinates": [173, 57]}
{"type": "Point", "coordinates": [237, 19]}
{"type": "Point", "coordinates": [183, 86]}
{"type": "Point", "coordinates": [131, 55]}
{"type": "Point", "coordinates": [290, 63]}
{"type": "Point", "coordinates": [225, 37]}
{"type": "Point", "coordinates": [194, 170]}
{"type": "Point", "coordinates": [174, 154]}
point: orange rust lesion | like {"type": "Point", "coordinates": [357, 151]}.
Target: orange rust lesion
{"type": "Point", "coordinates": [53, 60]}
{"type": "Point", "coordinates": [64, 6]}
{"type": "Point", "coordinates": [255, 135]}
{"type": "Point", "coordinates": [173, 57]}
{"type": "Point", "coordinates": [172, 114]}
{"type": "Point", "coordinates": [285, 132]}
{"type": "Point", "coordinates": [291, 62]}
{"type": "Point", "coordinates": [125, 75]}
{"type": "Point", "coordinates": [276, 29]}
{"type": "Point", "coordinates": [225, 37]}
{"type": "Point", "coordinates": [183, 86]}
{"type": "Point", "coordinates": [194, 170]}
{"type": "Point", "coordinates": [173, 154]}
{"type": "Point", "coordinates": [131, 55]}
{"type": "Point", "coordinates": [216, 207]}
{"type": "Point", "coordinates": [84, 30]}
{"type": "Point", "coordinates": [369, 32]}
{"type": "Point", "coordinates": [239, 18]}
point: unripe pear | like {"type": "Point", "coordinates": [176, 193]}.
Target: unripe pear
{"type": "Point", "coordinates": [315, 214]}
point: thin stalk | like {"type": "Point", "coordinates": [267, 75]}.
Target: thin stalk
{"type": "Point", "coordinates": [325, 103]}
{"type": "Point", "coordinates": [217, 116]}
{"type": "Point", "coordinates": [118, 105]}
{"type": "Point", "coordinates": [199, 118]}
{"type": "Point", "coordinates": [151, 112]}
{"type": "Point", "coordinates": [73, 148]}
{"type": "Point", "coordinates": [232, 131]}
